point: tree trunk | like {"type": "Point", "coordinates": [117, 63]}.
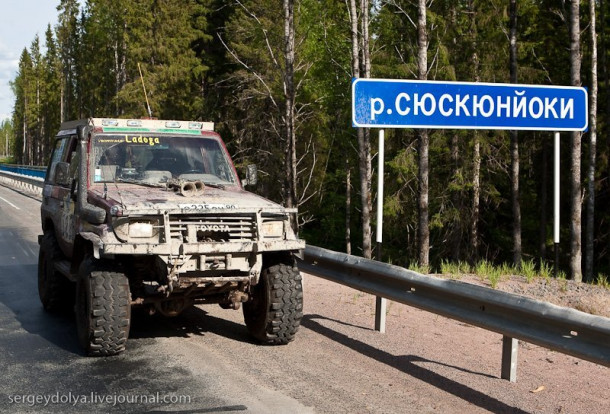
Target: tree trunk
{"type": "Point", "coordinates": [353, 12]}
{"type": "Point", "coordinates": [61, 102]}
{"type": "Point", "coordinates": [289, 94]}
{"type": "Point", "coordinates": [606, 76]}
{"type": "Point", "coordinates": [514, 143]}
{"type": "Point", "coordinates": [575, 149]}
{"type": "Point", "coordinates": [476, 195]}
{"type": "Point", "coordinates": [590, 235]}
{"type": "Point", "coordinates": [366, 170]}
{"type": "Point", "coordinates": [457, 200]}
{"type": "Point", "coordinates": [424, 143]}
{"type": "Point", "coordinates": [348, 207]}
{"type": "Point", "coordinates": [364, 146]}
{"type": "Point", "coordinates": [476, 156]}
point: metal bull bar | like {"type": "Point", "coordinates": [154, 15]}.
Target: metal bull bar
{"type": "Point", "coordinates": [557, 328]}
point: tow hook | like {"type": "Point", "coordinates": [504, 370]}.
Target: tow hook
{"type": "Point", "coordinates": [236, 298]}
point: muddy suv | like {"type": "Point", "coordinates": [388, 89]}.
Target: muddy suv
{"type": "Point", "coordinates": [151, 213]}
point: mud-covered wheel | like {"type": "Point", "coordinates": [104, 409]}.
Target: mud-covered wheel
{"type": "Point", "coordinates": [273, 313]}
{"type": "Point", "coordinates": [103, 309]}
{"type": "Point", "coordinates": [56, 292]}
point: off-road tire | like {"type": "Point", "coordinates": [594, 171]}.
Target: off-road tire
{"type": "Point", "coordinates": [274, 312]}
{"type": "Point", "coordinates": [103, 309]}
{"type": "Point", "coordinates": [56, 292]}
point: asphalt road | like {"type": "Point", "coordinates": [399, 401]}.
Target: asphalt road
{"type": "Point", "coordinates": [43, 369]}
{"type": "Point", "coordinates": [204, 361]}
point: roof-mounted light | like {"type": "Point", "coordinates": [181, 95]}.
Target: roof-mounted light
{"type": "Point", "coordinates": [110, 122]}
{"type": "Point", "coordinates": [173, 124]}
{"type": "Point", "coordinates": [195, 125]}
{"type": "Point", "coordinates": [134, 123]}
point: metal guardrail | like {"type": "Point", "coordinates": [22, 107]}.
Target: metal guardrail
{"type": "Point", "coordinates": [29, 170]}
{"type": "Point", "coordinates": [22, 182]}
{"type": "Point", "coordinates": [516, 317]}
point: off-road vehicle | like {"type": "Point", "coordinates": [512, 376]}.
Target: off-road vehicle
{"type": "Point", "coordinates": [152, 213]}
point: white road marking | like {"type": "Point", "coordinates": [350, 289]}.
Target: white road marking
{"type": "Point", "coordinates": [9, 203]}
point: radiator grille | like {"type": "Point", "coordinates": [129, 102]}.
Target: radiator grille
{"type": "Point", "coordinates": [198, 229]}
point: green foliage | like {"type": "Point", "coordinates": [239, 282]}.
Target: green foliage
{"type": "Point", "coordinates": [545, 270]}
{"type": "Point", "coordinates": [528, 270]}
{"type": "Point", "coordinates": [224, 61]}
{"type": "Point", "coordinates": [487, 271]}
{"type": "Point", "coordinates": [603, 281]}
{"type": "Point", "coordinates": [455, 269]}
{"type": "Point", "coordinates": [416, 267]}
{"type": "Point", "coordinates": [6, 133]}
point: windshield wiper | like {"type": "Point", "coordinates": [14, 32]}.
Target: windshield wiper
{"type": "Point", "coordinates": [214, 185]}
{"type": "Point", "coordinates": [139, 182]}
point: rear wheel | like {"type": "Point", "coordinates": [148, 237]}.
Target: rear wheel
{"type": "Point", "coordinates": [56, 292]}
{"type": "Point", "coordinates": [103, 309]}
{"type": "Point", "coordinates": [274, 312]}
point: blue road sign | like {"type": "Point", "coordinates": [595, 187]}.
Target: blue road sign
{"type": "Point", "coordinates": [386, 103]}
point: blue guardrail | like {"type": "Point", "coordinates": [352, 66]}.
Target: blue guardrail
{"type": "Point", "coordinates": [29, 170]}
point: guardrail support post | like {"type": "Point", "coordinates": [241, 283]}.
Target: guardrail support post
{"type": "Point", "coordinates": [510, 347]}
{"type": "Point", "coordinates": [380, 311]}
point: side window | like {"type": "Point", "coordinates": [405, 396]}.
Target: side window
{"type": "Point", "coordinates": [56, 157]}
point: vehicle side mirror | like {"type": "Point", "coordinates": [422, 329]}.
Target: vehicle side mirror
{"type": "Point", "coordinates": [251, 175]}
{"type": "Point", "coordinates": [62, 174]}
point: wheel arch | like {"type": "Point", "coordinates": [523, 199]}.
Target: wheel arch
{"type": "Point", "coordinates": [82, 248]}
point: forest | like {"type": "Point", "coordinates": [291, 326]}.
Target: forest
{"type": "Point", "coordinates": [275, 77]}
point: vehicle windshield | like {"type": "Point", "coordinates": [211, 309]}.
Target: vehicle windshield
{"type": "Point", "coordinates": [151, 159]}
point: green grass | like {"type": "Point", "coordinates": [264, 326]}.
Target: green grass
{"type": "Point", "coordinates": [528, 270]}
{"type": "Point", "coordinates": [602, 280]}
{"type": "Point", "coordinates": [487, 271]}
{"type": "Point", "coordinates": [545, 270]}
{"type": "Point", "coordinates": [508, 270]}
{"type": "Point", "coordinates": [455, 269]}
{"type": "Point", "coordinates": [416, 267]}
{"type": "Point", "coordinates": [483, 268]}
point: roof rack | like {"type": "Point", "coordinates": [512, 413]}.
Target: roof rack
{"type": "Point", "coordinates": [158, 125]}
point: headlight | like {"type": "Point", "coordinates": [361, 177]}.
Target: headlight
{"type": "Point", "coordinates": [272, 229]}
{"type": "Point", "coordinates": [126, 229]}
{"type": "Point", "coordinates": [141, 230]}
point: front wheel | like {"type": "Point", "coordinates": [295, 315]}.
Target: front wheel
{"type": "Point", "coordinates": [273, 314]}
{"type": "Point", "coordinates": [103, 309]}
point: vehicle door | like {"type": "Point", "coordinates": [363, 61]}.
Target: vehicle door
{"type": "Point", "coordinates": [58, 198]}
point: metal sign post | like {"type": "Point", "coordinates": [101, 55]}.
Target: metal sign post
{"type": "Point", "coordinates": [397, 103]}
{"type": "Point", "coordinates": [380, 303]}
{"type": "Point", "coordinates": [556, 217]}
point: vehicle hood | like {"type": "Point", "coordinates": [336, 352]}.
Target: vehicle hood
{"type": "Point", "coordinates": [145, 200]}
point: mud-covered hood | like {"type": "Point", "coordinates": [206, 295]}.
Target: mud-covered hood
{"type": "Point", "coordinates": [140, 199]}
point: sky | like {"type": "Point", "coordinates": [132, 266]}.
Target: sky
{"type": "Point", "coordinates": [20, 21]}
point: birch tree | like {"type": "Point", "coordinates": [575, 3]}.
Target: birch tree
{"type": "Point", "coordinates": [290, 162]}
{"type": "Point", "coordinates": [590, 227]}
{"type": "Point", "coordinates": [575, 150]}
{"type": "Point", "coordinates": [476, 143]}
{"type": "Point", "coordinates": [423, 141]}
{"type": "Point", "coordinates": [514, 142]}
{"type": "Point", "coordinates": [360, 44]}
